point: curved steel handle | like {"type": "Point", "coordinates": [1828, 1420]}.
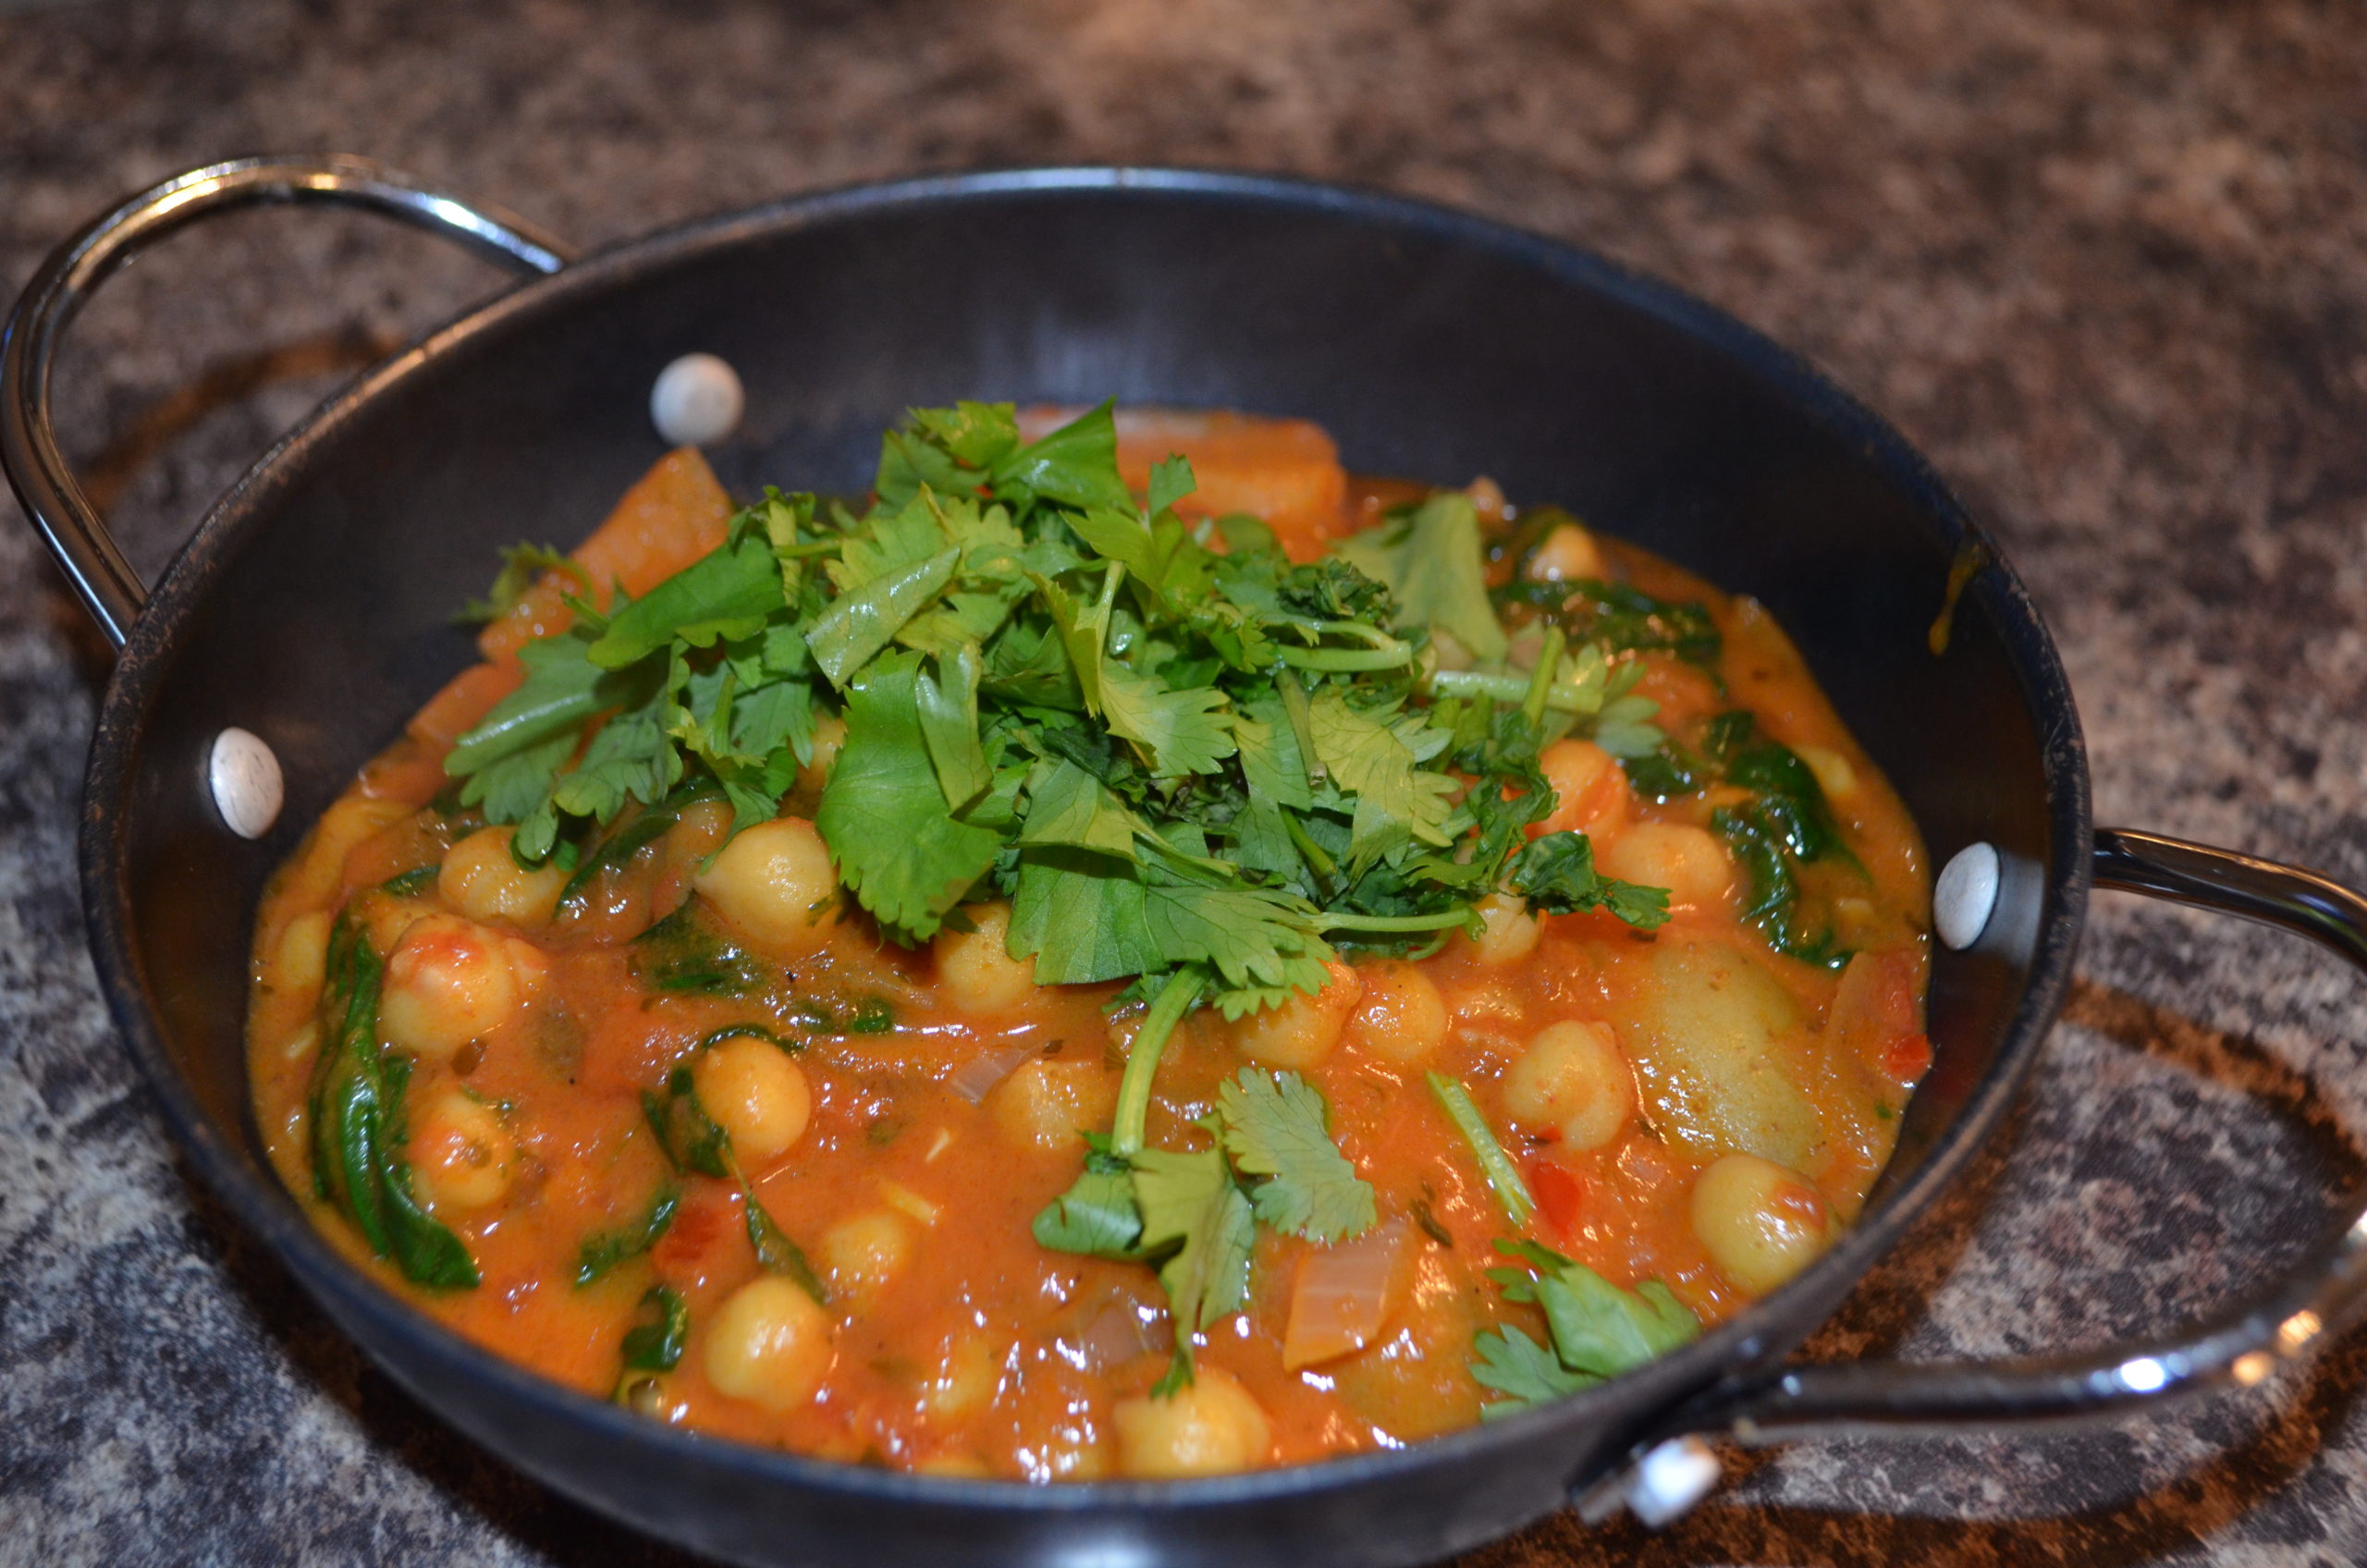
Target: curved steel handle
{"type": "Point", "coordinates": [2239, 1346]}
{"type": "Point", "coordinates": [109, 589]}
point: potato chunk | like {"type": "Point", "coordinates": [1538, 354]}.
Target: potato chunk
{"type": "Point", "coordinates": [1711, 1034]}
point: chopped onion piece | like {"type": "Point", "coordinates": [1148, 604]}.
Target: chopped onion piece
{"type": "Point", "coordinates": [974, 1078]}
{"type": "Point", "coordinates": [1117, 1335]}
{"type": "Point", "coordinates": [1341, 1297]}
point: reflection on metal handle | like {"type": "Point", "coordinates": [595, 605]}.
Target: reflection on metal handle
{"type": "Point", "coordinates": [2239, 1346]}
{"type": "Point", "coordinates": [93, 563]}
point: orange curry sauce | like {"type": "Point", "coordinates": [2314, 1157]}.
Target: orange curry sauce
{"type": "Point", "coordinates": [955, 1343]}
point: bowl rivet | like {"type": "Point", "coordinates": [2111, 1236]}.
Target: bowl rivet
{"type": "Point", "coordinates": [1966, 895]}
{"type": "Point", "coordinates": [697, 401]}
{"type": "Point", "coordinates": [245, 779]}
{"type": "Point", "coordinates": [1671, 1478]}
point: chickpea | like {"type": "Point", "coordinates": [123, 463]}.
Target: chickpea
{"type": "Point", "coordinates": [770, 1344]}
{"type": "Point", "coordinates": [866, 1251]}
{"type": "Point", "coordinates": [1760, 1223]}
{"type": "Point", "coordinates": [756, 1095]}
{"type": "Point", "coordinates": [1210, 1429]}
{"type": "Point", "coordinates": [1573, 1078]}
{"type": "Point", "coordinates": [1302, 1031]}
{"type": "Point", "coordinates": [974, 969]}
{"type": "Point", "coordinates": [965, 1381]}
{"type": "Point", "coordinates": [299, 960]}
{"type": "Point", "coordinates": [1688, 862]}
{"type": "Point", "coordinates": [449, 981]}
{"type": "Point", "coordinates": [483, 881]}
{"type": "Point", "coordinates": [1049, 1105]}
{"type": "Point", "coordinates": [462, 1155]}
{"type": "Point", "coordinates": [1401, 1017]}
{"type": "Point", "coordinates": [1568, 554]}
{"type": "Point", "coordinates": [1509, 933]}
{"type": "Point", "coordinates": [1590, 787]}
{"type": "Point", "coordinates": [774, 882]}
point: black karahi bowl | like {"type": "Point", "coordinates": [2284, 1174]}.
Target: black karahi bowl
{"type": "Point", "coordinates": [310, 609]}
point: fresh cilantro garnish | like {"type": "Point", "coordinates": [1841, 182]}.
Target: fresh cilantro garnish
{"type": "Point", "coordinates": [1598, 1330]}
{"type": "Point", "coordinates": [1199, 769]}
{"type": "Point", "coordinates": [1431, 558]}
{"type": "Point", "coordinates": [1275, 1127]}
{"type": "Point", "coordinates": [1193, 1215]}
{"type": "Point", "coordinates": [1162, 754]}
{"type": "Point", "coordinates": [522, 566]}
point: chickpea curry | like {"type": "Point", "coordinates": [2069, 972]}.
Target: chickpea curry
{"type": "Point", "coordinates": [1125, 952]}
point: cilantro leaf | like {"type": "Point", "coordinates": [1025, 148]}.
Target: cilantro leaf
{"type": "Point", "coordinates": [1435, 567]}
{"type": "Point", "coordinates": [1511, 1362]}
{"type": "Point", "coordinates": [901, 851]}
{"type": "Point", "coordinates": [865, 619]}
{"type": "Point", "coordinates": [1180, 732]}
{"type": "Point", "coordinates": [1276, 1127]}
{"type": "Point", "coordinates": [1555, 873]}
{"type": "Point", "coordinates": [1191, 1199]}
{"type": "Point", "coordinates": [947, 709]}
{"type": "Point", "coordinates": [1096, 1215]}
{"type": "Point", "coordinates": [1068, 806]}
{"type": "Point", "coordinates": [1077, 464]}
{"type": "Point", "coordinates": [522, 566]}
{"type": "Point", "coordinates": [726, 594]}
{"type": "Point", "coordinates": [1171, 481]}
{"type": "Point", "coordinates": [1365, 755]}
{"type": "Point", "coordinates": [1596, 1326]}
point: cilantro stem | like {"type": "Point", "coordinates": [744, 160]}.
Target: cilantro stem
{"type": "Point", "coordinates": [811, 548]}
{"type": "Point", "coordinates": [1314, 853]}
{"type": "Point", "coordinates": [1503, 1175]}
{"type": "Point", "coordinates": [1380, 650]}
{"type": "Point", "coordinates": [1331, 660]}
{"type": "Point", "coordinates": [1174, 999]}
{"type": "Point", "coordinates": [1563, 696]}
{"type": "Point", "coordinates": [1540, 679]}
{"type": "Point", "coordinates": [1445, 920]}
{"type": "Point", "coordinates": [1294, 709]}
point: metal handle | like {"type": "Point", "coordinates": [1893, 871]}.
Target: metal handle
{"type": "Point", "coordinates": [2240, 1346]}
{"type": "Point", "coordinates": [110, 590]}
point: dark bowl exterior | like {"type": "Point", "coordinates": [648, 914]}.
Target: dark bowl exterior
{"type": "Point", "coordinates": [312, 608]}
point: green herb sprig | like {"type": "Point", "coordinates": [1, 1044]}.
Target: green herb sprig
{"type": "Point", "coordinates": [1597, 1330]}
{"type": "Point", "coordinates": [1162, 753]}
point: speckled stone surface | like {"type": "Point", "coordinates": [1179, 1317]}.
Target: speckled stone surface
{"type": "Point", "coordinates": [2107, 262]}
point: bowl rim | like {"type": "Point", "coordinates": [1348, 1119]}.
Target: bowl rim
{"type": "Point", "coordinates": [1770, 1327]}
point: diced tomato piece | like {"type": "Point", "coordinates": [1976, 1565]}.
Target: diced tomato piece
{"type": "Point", "coordinates": [1561, 1193]}
{"type": "Point", "coordinates": [1908, 1057]}
{"type": "Point", "coordinates": [690, 1251]}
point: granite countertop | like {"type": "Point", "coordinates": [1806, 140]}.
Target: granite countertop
{"type": "Point", "coordinates": [2105, 263]}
